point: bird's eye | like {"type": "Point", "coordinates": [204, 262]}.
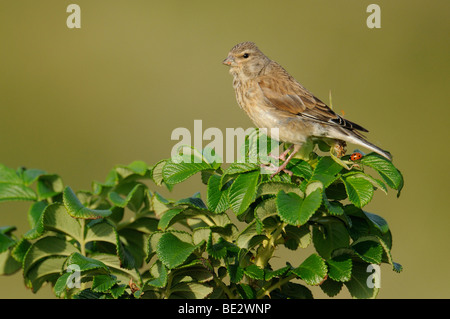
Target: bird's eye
{"type": "Point", "coordinates": [246, 55]}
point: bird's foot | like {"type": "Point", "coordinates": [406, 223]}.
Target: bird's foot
{"type": "Point", "coordinates": [276, 169]}
{"type": "Point", "coordinates": [283, 155]}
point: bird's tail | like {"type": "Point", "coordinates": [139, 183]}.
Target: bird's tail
{"type": "Point", "coordinates": [358, 139]}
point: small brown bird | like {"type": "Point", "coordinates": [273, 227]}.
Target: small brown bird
{"type": "Point", "coordinates": [274, 99]}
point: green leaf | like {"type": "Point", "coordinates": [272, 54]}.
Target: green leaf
{"type": "Point", "coordinates": [273, 188]}
{"type": "Point", "coordinates": [61, 284]}
{"type": "Point", "coordinates": [329, 236]}
{"type": "Point", "coordinates": [358, 284]}
{"type": "Point", "coordinates": [12, 187]}
{"type": "Point", "coordinates": [5, 242]}
{"type": "Point", "coordinates": [173, 251]}
{"type": "Point", "coordinates": [388, 172]}
{"type": "Point", "coordinates": [331, 287]}
{"type": "Point", "coordinates": [45, 270]}
{"type": "Point", "coordinates": [190, 290]}
{"type": "Point", "coordinates": [46, 247]}
{"type": "Point", "coordinates": [103, 283]}
{"type": "Point", "coordinates": [133, 199]}
{"type": "Point", "coordinates": [114, 266]}
{"type": "Point", "coordinates": [117, 291]}
{"type": "Point", "coordinates": [297, 237]}
{"type": "Point", "coordinates": [249, 237]}
{"type": "Point", "coordinates": [56, 218]}
{"type": "Point", "coordinates": [242, 191]}
{"type": "Point", "coordinates": [378, 221]}
{"type": "Point", "coordinates": [246, 291]}
{"type": "Point", "coordinates": [86, 263]}
{"type": "Point", "coordinates": [216, 198]}
{"type": "Point", "coordinates": [174, 173]}
{"type": "Point", "coordinates": [359, 190]}
{"type": "Point", "coordinates": [235, 272]}
{"type": "Point", "coordinates": [8, 265]}
{"type": "Point", "coordinates": [216, 246]}
{"type": "Point", "coordinates": [168, 216]}
{"type": "Point", "coordinates": [312, 270]}
{"type": "Point", "coordinates": [269, 274]}
{"type": "Point", "coordinates": [300, 168]}
{"type": "Point", "coordinates": [340, 268]}
{"type": "Point", "coordinates": [368, 250]}
{"type": "Point", "coordinates": [49, 185]}
{"type": "Point", "coordinates": [326, 171]}
{"type": "Point", "coordinates": [293, 291]}
{"type": "Point", "coordinates": [159, 275]}
{"type": "Point", "coordinates": [295, 210]}
{"type": "Point", "coordinates": [254, 272]}
{"type": "Point", "coordinates": [77, 210]}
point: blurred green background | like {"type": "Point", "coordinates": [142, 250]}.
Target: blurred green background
{"type": "Point", "coordinates": [76, 102]}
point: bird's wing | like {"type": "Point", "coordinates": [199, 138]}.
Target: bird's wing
{"type": "Point", "coordinates": [286, 94]}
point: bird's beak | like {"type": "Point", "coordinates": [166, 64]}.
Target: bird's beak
{"type": "Point", "coordinates": [228, 61]}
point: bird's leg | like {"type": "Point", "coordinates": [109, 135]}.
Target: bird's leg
{"type": "Point", "coordinates": [282, 156]}
{"type": "Point", "coordinates": [283, 166]}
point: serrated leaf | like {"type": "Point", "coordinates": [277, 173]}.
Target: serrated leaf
{"type": "Point", "coordinates": [388, 172]}
{"type": "Point", "coordinates": [331, 287]}
{"type": "Point", "coordinates": [330, 236]}
{"type": "Point", "coordinates": [269, 274]}
{"type": "Point", "coordinates": [300, 168]}
{"type": "Point", "coordinates": [85, 263]}
{"type": "Point", "coordinates": [56, 218]}
{"type": "Point", "coordinates": [359, 190]}
{"type": "Point", "coordinates": [159, 275]}
{"type": "Point", "coordinates": [133, 199]}
{"type": "Point", "coordinates": [44, 270]}
{"type": "Point", "coordinates": [273, 188]}
{"type": "Point", "coordinates": [12, 187]}
{"type": "Point", "coordinates": [378, 221]}
{"type": "Point", "coordinates": [46, 247]}
{"type": "Point", "coordinates": [312, 270]}
{"type": "Point", "coordinates": [5, 242]}
{"type": "Point", "coordinates": [326, 171]}
{"type": "Point", "coordinates": [117, 291]}
{"type": "Point", "coordinates": [216, 198]}
{"type": "Point", "coordinates": [246, 291]}
{"type": "Point", "coordinates": [102, 283]}
{"type": "Point", "coordinates": [77, 210]}
{"type": "Point", "coordinates": [358, 284]}
{"type": "Point", "coordinates": [168, 216]}
{"type": "Point", "coordinates": [190, 290]}
{"type": "Point", "coordinates": [173, 251]}
{"type": "Point", "coordinates": [249, 237]}
{"type": "Point", "coordinates": [254, 272]}
{"type": "Point", "coordinates": [8, 265]}
{"type": "Point", "coordinates": [368, 250]}
{"type": "Point", "coordinates": [114, 265]}
{"type": "Point", "coordinates": [61, 284]}
{"type": "Point", "coordinates": [174, 173]}
{"type": "Point", "coordinates": [295, 210]}
{"type": "Point", "coordinates": [235, 272]}
{"type": "Point", "coordinates": [297, 237]}
{"type": "Point", "coordinates": [242, 191]}
{"type": "Point", "coordinates": [49, 185]}
{"type": "Point", "coordinates": [340, 268]}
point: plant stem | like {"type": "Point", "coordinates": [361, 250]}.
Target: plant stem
{"type": "Point", "coordinates": [266, 291]}
{"type": "Point", "coordinates": [266, 253]}
{"type": "Point", "coordinates": [82, 242]}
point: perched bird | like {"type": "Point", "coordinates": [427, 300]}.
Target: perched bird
{"type": "Point", "coordinates": [272, 98]}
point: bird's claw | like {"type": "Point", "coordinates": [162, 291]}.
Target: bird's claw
{"type": "Point", "coordinates": [276, 169]}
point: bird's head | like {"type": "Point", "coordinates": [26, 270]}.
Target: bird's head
{"type": "Point", "coordinates": [246, 57]}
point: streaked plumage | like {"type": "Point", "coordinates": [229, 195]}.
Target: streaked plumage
{"type": "Point", "coordinates": [271, 97]}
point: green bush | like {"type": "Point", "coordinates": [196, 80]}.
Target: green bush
{"type": "Point", "coordinates": [123, 240]}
